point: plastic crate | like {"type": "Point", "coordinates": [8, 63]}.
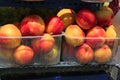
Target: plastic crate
{"type": "Point", "coordinates": [7, 58]}
{"type": "Point", "coordinates": [71, 53]}
{"type": "Point", "coordinates": [52, 57]}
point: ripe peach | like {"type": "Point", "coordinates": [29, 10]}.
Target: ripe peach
{"type": "Point", "coordinates": [23, 55]}
{"type": "Point", "coordinates": [67, 15]}
{"type": "Point", "coordinates": [74, 35]}
{"type": "Point", "coordinates": [103, 54]}
{"type": "Point", "coordinates": [85, 54]}
{"type": "Point", "coordinates": [104, 16]}
{"type": "Point", "coordinates": [9, 34]}
{"type": "Point", "coordinates": [52, 55]}
{"type": "Point", "coordinates": [86, 19]}
{"type": "Point", "coordinates": [32, 25]}
{"type": "Point", "coordinates": [54, 25]}
{"type": "Point", "coordinates": [6, 54]}
{"type": "Point", "coordinates": [95, 37]}
{"type": "Point", "coordinates": [43, 44]}
{"type": "Point", "coordinates": [111, 34]}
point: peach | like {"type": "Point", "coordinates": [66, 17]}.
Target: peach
{"type": "Point", "coordinates": [104, 16]}
{"type": "Point", "coordinates": [74, 35]}
{"type": "Point", "coordinates": [103, 54]}
{"type": "Point", "coordinates": [52, 55]}
{"type": "Point", "coordinates": [86, 19]}
{"type": "Point", "coordinates": [95, 37]}
{"type": "Point", "coordinates": [6, 54]}
{"type": "Point", "coordinates": [10, 36]}
{"type": "Point", "coordinates": [32, 25]}
{"type": "Point", "coordinates": [111, 35]}
{"type": "Point", "coordinates": [84, 54]}
{"type": "Point", "coordinates": [67, 15]}
{"type": "Point", "coordinates": [23, 55]}
{"type": "Point", "coordinates": [43, 44]}
{"type": "Point", "coordinates": [54, 25]}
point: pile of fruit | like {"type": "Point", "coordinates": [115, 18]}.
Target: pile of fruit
{"type": "Point", "coordinates": [91, 37]}
{"type": "Point", "coordinates": [33, 39]}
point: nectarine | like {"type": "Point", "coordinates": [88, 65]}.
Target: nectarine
{"type": "Point", "coordinates": [86, 18]}
{"type": "Point", "coordinates": [111, 34]}
{"type": "Point", "coordinates": [67, 15]}
{"type": "Point", "coordinates": [43, 44]}
{"type": "Point", "coordinates": [6, 54]}
{"type": "Point", "coordinates": [84, 54]}
{"type": "Point", "coordinates": [95, 37]}
{"type": "Point", "coordinates": [23, 55]}
{"type": "Point", "coordinates": [54, 25]}
{"type": "Point", "coordinates": [74, 35]}
{"type": "Point", "coordinates": [32, 25]}
{"type": "Point", "coordinates": [52, 55]}
{"type": "Point", "coordinates": [104, 16]}
{"type": "Point", "coordinates": [103, 54]}
{"type": "Point", "coordinates": [10, 36]}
